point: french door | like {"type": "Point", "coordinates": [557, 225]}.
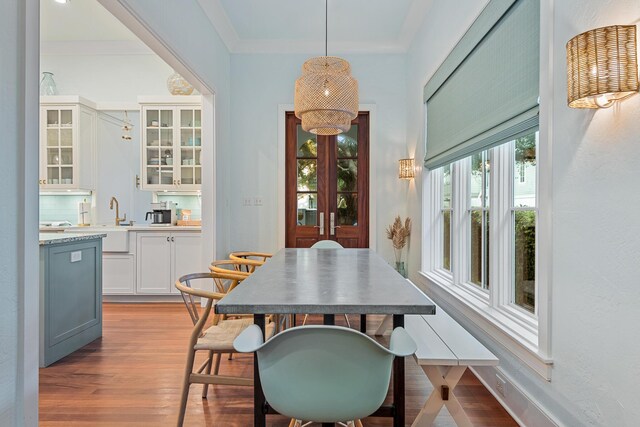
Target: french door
{"type": "Point", "coordinates": [327, 185]}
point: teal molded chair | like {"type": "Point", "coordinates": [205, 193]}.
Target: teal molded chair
{"type": "Point", "coordinates": [327, 244]}
{"type": "Point", "coordinates": [324, 374]}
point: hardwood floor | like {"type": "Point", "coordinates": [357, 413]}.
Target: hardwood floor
{"type": "Point", "coordinates": [132, 376]}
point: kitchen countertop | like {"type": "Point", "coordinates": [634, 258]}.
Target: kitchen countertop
{"type": "Point", "coordinates": [141, 227]}
{"type": "Point", "coordinates": [56, 238]}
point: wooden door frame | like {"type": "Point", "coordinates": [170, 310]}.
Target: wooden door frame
{"type": "Point", "coordinates": [281, 184]}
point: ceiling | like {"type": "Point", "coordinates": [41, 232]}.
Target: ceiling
{"type": "Point", "coordinates": [80, 20]}
{"type": "Point", "coordinates": [297, 26]}
{"type": "Point", "coordinates": [250, 26]}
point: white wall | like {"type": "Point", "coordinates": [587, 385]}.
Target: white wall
{"type": "Point", "coordinates": [186, 39]}
{"type": "Point", "coordinates": [258, 84]}
{"type": "Point", "coordinates": [596, 234]}
{"type": "Point", "coordinates": [18, 228]}
{"type": "Point", "coordinates": [108, 78]}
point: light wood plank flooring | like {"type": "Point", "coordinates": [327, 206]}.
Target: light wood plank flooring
{"type": "Point", "coordinates": [132, 376]}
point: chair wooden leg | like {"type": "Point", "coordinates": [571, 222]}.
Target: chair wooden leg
{"type": "Point", "coordinates": [304, 321]}
{"type": "Point", "coordinates": [358, 423]}
{"type": "Point", "coordinates": [230, 356]}
{"type": "Point", "coordinates": [293, 422]}
{"type": "Point", "coordinates": [346, 317]}
{"type": "Point", "coordinates": [205, 388]}
{"type": "Point", "coordinates": [216, 369]}
{"type": "Point", "coordinates": [191, 357]}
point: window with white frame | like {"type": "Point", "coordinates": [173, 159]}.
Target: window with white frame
{"type": "Point", "coordinates": [489, 213]}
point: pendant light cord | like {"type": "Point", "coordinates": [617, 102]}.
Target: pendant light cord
{"type": "Point", "coordinates": [326, 26]}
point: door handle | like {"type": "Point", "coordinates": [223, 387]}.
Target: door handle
{"type": "Point", "coordinates": [321, 226]}
{"type": "Point", "coordinates": [332, 224]}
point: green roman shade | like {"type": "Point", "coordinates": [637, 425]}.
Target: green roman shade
{"type": "Point", "coordinates": [486, 91]}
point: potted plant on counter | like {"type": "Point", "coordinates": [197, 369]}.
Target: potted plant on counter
{"type": "Point", "coordinates": [399, 234]}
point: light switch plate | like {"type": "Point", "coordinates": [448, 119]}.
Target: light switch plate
{"type": "Point", "coordinates": [76, 256]}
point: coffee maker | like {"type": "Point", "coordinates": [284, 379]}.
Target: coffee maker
{"type": "Point", "coordinates": [163, 214]}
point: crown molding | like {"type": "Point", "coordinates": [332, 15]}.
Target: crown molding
{"type": "Point", "coordinates": [95, 47]}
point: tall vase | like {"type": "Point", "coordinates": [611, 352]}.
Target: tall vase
{"type": "Point", "coordinates": [400, 268]}
{"type": "Point", "coordinates": [47, 85]}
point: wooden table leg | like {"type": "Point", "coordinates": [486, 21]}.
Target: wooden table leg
{"type": "Point", "coordinates": [398, 380]}
{"type": "Point", "coordinates": [259, 417]}
{"type": "Point", "coordinates": [363, 323]}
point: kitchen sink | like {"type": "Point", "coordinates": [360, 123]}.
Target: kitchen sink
{"type": "Point", "coordinates": [117, 239]}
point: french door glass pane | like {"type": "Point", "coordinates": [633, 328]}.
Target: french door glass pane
{"type": "Point", "coordinates": [307, 143]}
{"type": "Point", "coordinates": [347, 209]}
{"type": "Point", "coordinates": [196, 120]}
{"type": "Point", "coordinates": [525, 260]}
{"type": "Point", "coordinates": [347, 143]}
{"type": "Point", "coordinates": [347, 171]}
{"type": "Point", "coordinates": [307, 209]}
{"type": "Point", "coordinates": [307, 175]}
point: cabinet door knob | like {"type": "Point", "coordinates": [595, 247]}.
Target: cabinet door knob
{"type": "Point", "coordinates": [173, 239]}
{"type": "Point", "coordinates": [167, 239]}
{"type": "Point", "coordinates": [179, 182]}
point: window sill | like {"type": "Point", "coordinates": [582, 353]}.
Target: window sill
{"type": "Point", "coordinates": [519, 339]}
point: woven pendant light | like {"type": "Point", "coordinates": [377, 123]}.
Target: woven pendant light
{"type": "Point", "coordinates": [602, 67]}
{"type": "Point", "coordinates": [326, 95]}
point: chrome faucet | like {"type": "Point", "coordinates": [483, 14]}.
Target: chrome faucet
{"type": "Point", "coordinates": [118, 219]}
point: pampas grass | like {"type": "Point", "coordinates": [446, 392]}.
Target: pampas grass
{"type": "Point", "coordinates": [399, 235]}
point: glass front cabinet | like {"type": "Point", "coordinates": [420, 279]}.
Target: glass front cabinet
{"type": "Point", "coordinates": [67, 143]}
{"type": "Point", "coordinates": [171, 144]}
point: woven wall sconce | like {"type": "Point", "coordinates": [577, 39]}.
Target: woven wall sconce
{"type": "Point", "coordinates": [602, 67]}
{"type": "Point", "coordinates": [407, 169]}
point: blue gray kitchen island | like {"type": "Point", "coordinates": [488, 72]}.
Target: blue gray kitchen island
{"type": "Point", "coordinates": [70, 293]}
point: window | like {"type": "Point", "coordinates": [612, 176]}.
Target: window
{"type": "Point", "coordinates": [479, 219]}
{"type": "Point", "coordinates": [524, 222]}
{"type": "Point", "coordinates": [446, 217]}
{"type": "Point", "coordinates": [493, 266]}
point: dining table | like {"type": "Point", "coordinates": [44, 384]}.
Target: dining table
{"type": "Point", "coordinates": [328, 282]}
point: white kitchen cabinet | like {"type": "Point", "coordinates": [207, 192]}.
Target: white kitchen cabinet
{"type": "Point", "coordinates": [187, 251]}
{"type": "Point", "coordinates": [67, 143]}
{"type": "Point", "coordinates": [171, 143]}
{"type": "Point", "coordinates": [118, 274]}
{"type": "Point", "coordinates": [163, 257]}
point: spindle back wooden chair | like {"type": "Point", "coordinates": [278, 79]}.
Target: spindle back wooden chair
{"type": "Point", "coordinates": [216, 339]}
{"type": "Point", "coordinates": [253, 260]}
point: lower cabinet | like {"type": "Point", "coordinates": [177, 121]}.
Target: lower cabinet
{"type": "Point", "coordinates": [70, 297]}
{"type": "Point", "coordinates": [118, 274]}
{"type": "Point", "coordinates": [163, 257]}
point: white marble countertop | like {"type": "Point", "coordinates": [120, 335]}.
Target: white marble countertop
{"type": "Point", "coordinates": [57, 238]}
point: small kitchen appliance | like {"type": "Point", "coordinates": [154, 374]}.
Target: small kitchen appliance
{"type": "Point", "coordinates": [162, 214]}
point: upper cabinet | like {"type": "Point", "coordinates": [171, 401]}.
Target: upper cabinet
{"type": "Point", "coordinates": [171, 143]}
{"type": "Point", "coordinates": [67, 143]}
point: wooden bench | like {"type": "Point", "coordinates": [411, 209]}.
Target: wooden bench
{"type": "Point", "coordinates": [445, 350]}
